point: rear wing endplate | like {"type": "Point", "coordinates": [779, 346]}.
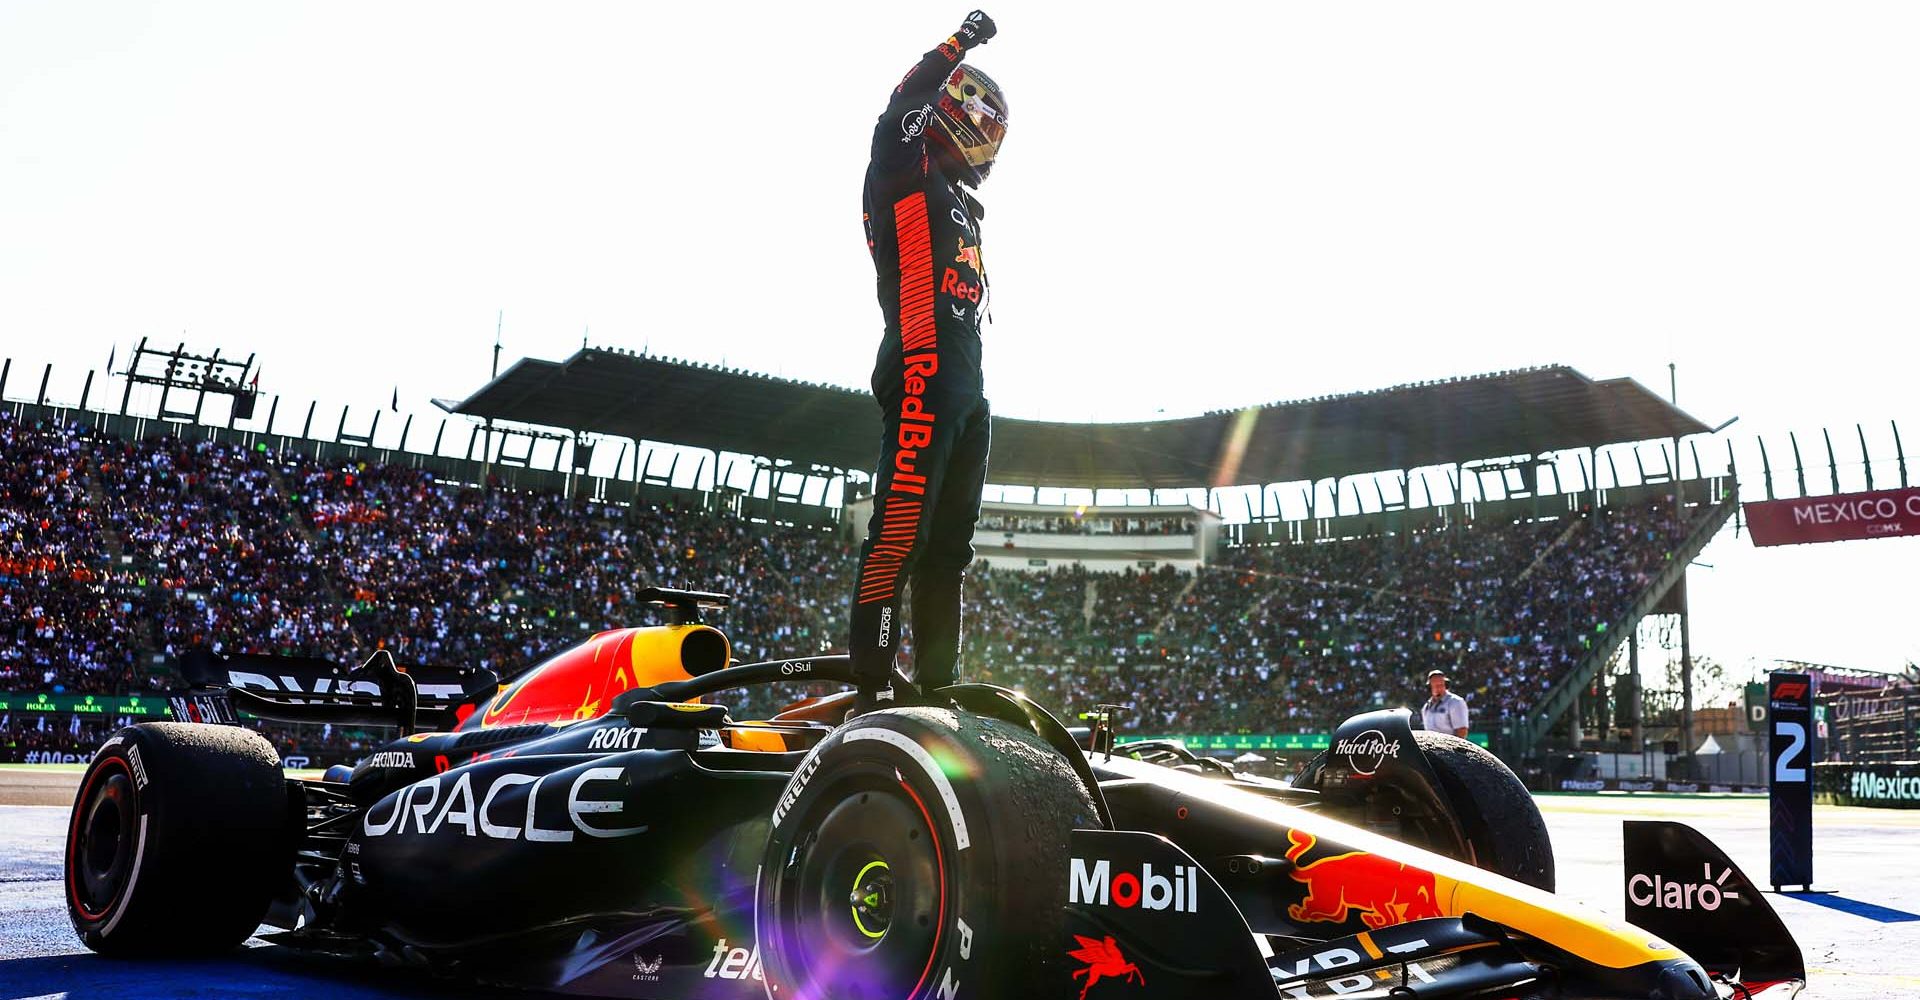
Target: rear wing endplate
{"type": "Point", "coordinates": [1685, 890]}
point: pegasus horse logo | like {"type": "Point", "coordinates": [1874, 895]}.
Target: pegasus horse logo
{"type": "Point", "coordinates": [1103, 960]}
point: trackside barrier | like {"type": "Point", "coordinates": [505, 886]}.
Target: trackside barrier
{"type": "Point", "coordinates": [1657, 786]}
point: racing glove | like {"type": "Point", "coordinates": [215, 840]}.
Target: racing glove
{"type": "Point", "coordinates": [975, 30]}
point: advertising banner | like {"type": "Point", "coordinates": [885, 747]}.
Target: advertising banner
{"type": "Point", "coordinates": [1882, 786]}
{"type": "Point", "coordinates": [74, 752]}
{"type": "Point", "coordinates": [1658, 785]}
{"type": "Point", "coordinates": [1846, 517]}
{"type": "Point", "coordinates": [1791, 752]}
{"type": "Point", "coordinates": [64, 754]}
{"type": "Point", "coordinates": [109, 706]}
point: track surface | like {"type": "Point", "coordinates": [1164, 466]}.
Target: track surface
{"type": "Point", "coordinates": [1853, 950]}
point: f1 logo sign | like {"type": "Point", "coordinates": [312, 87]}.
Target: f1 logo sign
{"type": "Point", "coordinates": [1790, 792]}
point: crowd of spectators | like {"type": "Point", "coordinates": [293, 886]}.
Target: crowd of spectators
{"type": "Point", "coordinates": [421, 570]}
{"type": "Point", "coordinates": [70, 615]}
{"type": "Point", "coordinates": [211, 529]}
{"type": "Point", "coordinates": [252, 550]}
{"type": "Point", "coordinates": [1295, 637]}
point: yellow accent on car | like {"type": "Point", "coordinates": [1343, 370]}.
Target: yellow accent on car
{"type": "Point", "coordinates": [1615, 944]}
{"type": "Point", "coordinates": [503, 698]}
{"type": "Point", "coordinates": [656, 656]}
{"type": "Point", "coordinates": [753, 738]}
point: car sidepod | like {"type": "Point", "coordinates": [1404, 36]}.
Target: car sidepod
{"type": "Point", "coordinates": [626, 873]}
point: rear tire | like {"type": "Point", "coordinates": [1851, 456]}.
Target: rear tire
{"type": "Point", "coordinates": [179, 837]}
{"type": "Point", "coordinates": [1502, 823]}
{"type": "Point", "coordinates": [918, 850]}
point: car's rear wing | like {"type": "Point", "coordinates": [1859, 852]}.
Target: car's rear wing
{"type": "Point", "coordinates": [380, 692]}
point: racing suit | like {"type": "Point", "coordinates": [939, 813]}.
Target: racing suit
{"type": "Point", "coordinates": [923, 232]}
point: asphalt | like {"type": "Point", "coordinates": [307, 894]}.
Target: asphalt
{"type": "Point", "coordinates": [1860, 941]}
{"type": "Point", "coordinates": [54, 785]}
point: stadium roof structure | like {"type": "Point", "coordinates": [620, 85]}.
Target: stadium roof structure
{"type": "Point", "coordinates": [1524, 412]}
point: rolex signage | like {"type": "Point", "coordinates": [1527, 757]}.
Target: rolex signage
{"type": "Point", "coordinates": [108, 706]}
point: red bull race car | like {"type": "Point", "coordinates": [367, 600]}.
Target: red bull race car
{"type": "Point", "coordinates": [595, 825]}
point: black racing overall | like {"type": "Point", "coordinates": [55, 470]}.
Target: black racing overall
{"type": "Point", "coordinates": [923, 231]}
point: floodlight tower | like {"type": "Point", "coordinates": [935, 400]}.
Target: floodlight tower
{"type": "Point", "coordinates": [199, 374]}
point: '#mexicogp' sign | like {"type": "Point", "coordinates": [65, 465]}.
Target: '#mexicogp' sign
{"type": "Point", "coordinates": [1886, 786]}
{"type": "Point", "coordinates": [1846, 517]}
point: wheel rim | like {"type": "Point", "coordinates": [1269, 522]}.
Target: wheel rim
{"type": "Point", "coordinates": [872, 899]}
{"type": "Point", "coordinates": [864, 894]}
{"type": "Point", "coordinates": [102, 850]}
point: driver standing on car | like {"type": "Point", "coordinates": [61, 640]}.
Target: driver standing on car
{"type": "Point", "coordinates": [933, 145]}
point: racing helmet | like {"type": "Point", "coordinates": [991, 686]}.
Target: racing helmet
{"type": "Point", "coordinates": [971, 116]}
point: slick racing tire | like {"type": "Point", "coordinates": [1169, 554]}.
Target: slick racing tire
{"type": "Point", "coordinates": [178, 839]}
{"type": "Point", "coordinates": [1502, 824]}
{"type": "Point", "coordinates": [919, 852]}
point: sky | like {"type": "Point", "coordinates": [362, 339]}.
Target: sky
{"type": "Point", "coordinates": [1198, 206]}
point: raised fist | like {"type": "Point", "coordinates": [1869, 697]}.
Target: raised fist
{"type": "Point", "coordinates": [975, 30]}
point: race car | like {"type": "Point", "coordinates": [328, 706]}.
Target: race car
{"type": "Point", "coordinates": [594, 826]}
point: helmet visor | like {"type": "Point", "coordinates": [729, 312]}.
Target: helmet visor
{"type": "Point", "coordinates": [975, 128]}
{"type": "Point", "coordinates": [991, 124]}
{"type": "Point", "coordinates": [974, 116]}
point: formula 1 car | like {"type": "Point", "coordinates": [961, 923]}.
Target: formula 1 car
{"type": "Point", "coordinates": [593, 826]}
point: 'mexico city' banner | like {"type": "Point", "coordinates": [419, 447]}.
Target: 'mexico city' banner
{"type": "Point", "coordinates": [1846, 517]}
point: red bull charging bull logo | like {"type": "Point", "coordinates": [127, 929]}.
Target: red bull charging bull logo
{"type": "Point", "coordinates": [1381, 891]}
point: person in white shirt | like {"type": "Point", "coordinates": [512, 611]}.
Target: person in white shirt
{"type": "Point", "coordinates": [1445, 712]}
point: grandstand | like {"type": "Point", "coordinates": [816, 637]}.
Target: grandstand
{"type": "Point", "coordinates": [1489, 542]}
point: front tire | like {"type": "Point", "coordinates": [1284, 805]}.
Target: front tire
{"type": "Point", "coordinates": [1502, 823]}
{"type": "Point", "coordinates": [178, 839]}
{"type": "Point", "coordinates": [918, 850]}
